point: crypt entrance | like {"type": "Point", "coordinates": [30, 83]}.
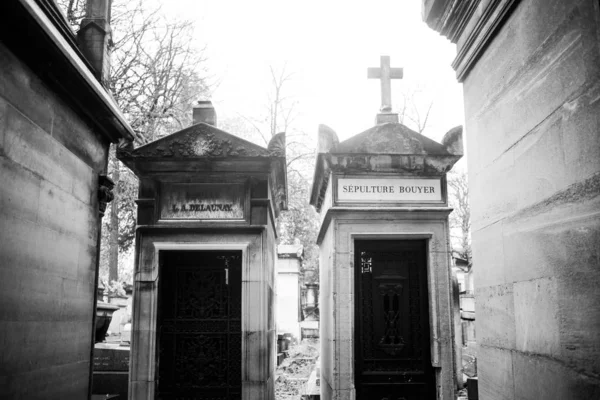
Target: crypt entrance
{"type": "Point", "coordinates": [392, 321]}
{"type": "Point", "coordinates": [199, 324]}
{"type": "Point", "coordinates": [203, 323]}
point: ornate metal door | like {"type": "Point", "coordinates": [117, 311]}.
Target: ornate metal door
{"type": "Point", "coordinates": [392, 347]}
{"type": "Point", "coordinates": [199, 325]}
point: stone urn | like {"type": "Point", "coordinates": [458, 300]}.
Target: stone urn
{"type": "Point", "coordinates": [104, 312]}
{"type": "Point", "coordinates": [312, 299]}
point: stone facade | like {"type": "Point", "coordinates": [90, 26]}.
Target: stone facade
{"type": "Point", "coordinates": [170, 169]}
{"type": "Point", "coordinates": [382, 154]}
{"type": "Point", "coordinates": [56, 123]}
{"type": "Point", "coordinates": [530, 71]}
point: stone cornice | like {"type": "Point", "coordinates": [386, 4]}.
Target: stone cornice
{"type": "Point", "coordinates": [452, 18]}
{"type": "Point", "coordinates": [373, 213]}
{"type": "Point", "coordinates": [59, 20]}
{"type": "Point", "coordinates": [51, 53]}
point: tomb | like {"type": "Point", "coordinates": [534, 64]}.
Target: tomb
{"type": "Point", "coordinates": [288, 289]}
{"type": "Point", "coordinates": [203, 310]}
{"type": "Point", "coordinates": [387, 329]}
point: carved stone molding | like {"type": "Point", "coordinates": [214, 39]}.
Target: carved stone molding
{"type": "Point", "coordinates": [277, 145]}
{"type": "Point", "coordinates": [472, 24]}
{"type": "Point", "coordinates": [449, 17]}
{"type": "Point", "coordinates": [105, 194]}
{"type": "Point", "coordinates": [200, 140]}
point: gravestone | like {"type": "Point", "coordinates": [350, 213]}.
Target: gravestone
{"type": "Point", "coordinates": [288, 289]}
{"type": "Point", "coordinates": [203, 311]}
{"type": "Point", "coordinates": [385, 260]}
{"type": "Point", "coordinates": [111, 370]}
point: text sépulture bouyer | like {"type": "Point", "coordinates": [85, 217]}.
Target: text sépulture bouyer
{"type": "Point", "coordinates": [387, 189]}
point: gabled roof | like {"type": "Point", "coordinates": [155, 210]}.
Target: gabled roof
{"type": "Point", "coordinates": [390, 138]}
{"type": "Point", "coordinates": [204, 148]}
{"type": "Point", "coordinates": [199, 141]}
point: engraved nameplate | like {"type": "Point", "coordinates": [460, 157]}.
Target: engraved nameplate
{"type": "Point", "coordinates": [389, 190]}
{"type": "Point", "coordinates": [202, 201]}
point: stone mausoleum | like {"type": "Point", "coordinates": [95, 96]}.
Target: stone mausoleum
{"type": "Point", "coordinates": [387, 329]}
{"type": "Point", "coordinates": [57, 120]}
{"type": "Point", "coordinates": [203, 310]}
{"type": "Point", "coordinates": [530, 71]}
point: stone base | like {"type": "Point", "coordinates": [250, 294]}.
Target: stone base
{"type": "Point", "coordinates": [384, 118]}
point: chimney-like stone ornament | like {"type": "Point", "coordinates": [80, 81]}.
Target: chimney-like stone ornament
{"type": "Point", "coordinates": [204, 112]}
{"type": "Point", "coordinates": [94, 37]}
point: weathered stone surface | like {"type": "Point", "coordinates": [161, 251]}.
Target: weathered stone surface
{"type": "Point", "coordinates": [392, 147]}
{"type": "Point", "coordinates": [495, 369]}
{"type": "Point", "coordinates": [50, 156]}
{"type": "Point", "coordinates": [551, 380]}
{"type": "Point", "coordinates": [390, 139]}
{"type": "Point", "coordinates": [487, 250]}
{"type": "Point", "coordinates": [68, 129]}
{"type": "Point", "coordinates": [531, 84]}
{"type": "Point", "coordinates": [203, 157]}
{"type": "Point", "coordinates": [111, 359]}
{"type": "Point", "coordinates": [200, 140]}
{"type": "Point", "coordinates": [24, 90]}
{"type": "Point", "coordinates": [68, 381]}
{"type": "Point", "coordinates": [535, 305]}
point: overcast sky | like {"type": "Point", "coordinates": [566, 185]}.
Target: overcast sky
{"type": "Point", "coordinates": [328, 45]}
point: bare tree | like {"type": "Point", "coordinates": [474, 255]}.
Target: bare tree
{"type": "Point", "coordinates": [411, 112]}
{"type": "Point", "coordinates": [460, 219]}
{"type": "Point", "coordinates": [74, 10]}
{"type": "Point", "coordinates": [300, 223]}
{"type": "Point", "coordinates": [155, 80]}
{"type": "Point", "coordinates": [281, 109]}
{"type": "Point", "coordinates": [155, 77]}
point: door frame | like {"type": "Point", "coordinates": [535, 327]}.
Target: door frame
{"type": "Point", "coordinates": [424, 243]}
{"type": "Point", "coordinates": [162, 254]}
{"type": "Point", "coordinates": [337, 290]}
{"type": "Point", "coordinates": [430, 238]}
{"type": "Point", "coordinates": [143, 367]}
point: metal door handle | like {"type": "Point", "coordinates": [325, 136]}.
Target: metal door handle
{"type": "Point", "coordinates": [227, 276]}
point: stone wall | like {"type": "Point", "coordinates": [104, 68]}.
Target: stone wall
{"type": "Point", "coordinates": [328, 315]}
{"type": "Point", "coordinates": [49, 165]}
{"type": "Point", "coordinates": [531, 84]}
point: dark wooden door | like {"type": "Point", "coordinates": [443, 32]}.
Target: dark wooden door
{"type": "Point", "coordinates": [199, 325]}
{"type": "Point", "coordinates": [392, 344]}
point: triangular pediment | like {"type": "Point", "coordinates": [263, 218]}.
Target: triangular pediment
{"type": "Point", "coordinates": [390, 138]}
{"type": "Point", "coordinates": [200, 141]}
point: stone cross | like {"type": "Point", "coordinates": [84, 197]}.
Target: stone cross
{"type": "Point", "coordinates": [385, 74]}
